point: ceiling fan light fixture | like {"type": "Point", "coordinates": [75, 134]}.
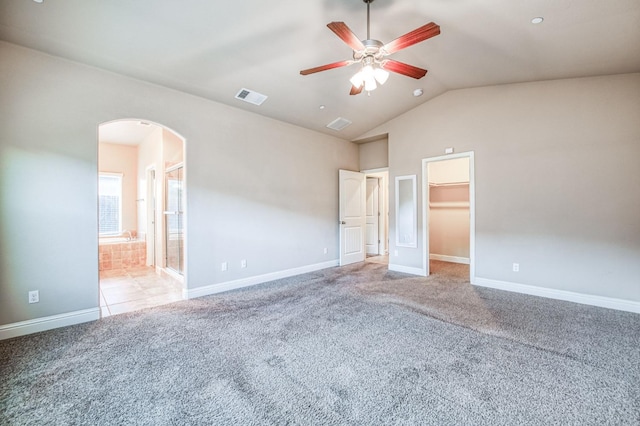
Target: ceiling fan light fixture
{"type": "Point", "coordinates": [381, 75]}
{"type": "Point", "coordinates": [371, 55]}
{"type": "Point", "coordinates": [370, 83]}
{"type": "Point", "coordinates": [357, 79]}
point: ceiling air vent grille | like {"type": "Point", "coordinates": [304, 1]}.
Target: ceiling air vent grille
{"type": "Point", "coordinates": [251, 96]}
{"type": "Point", "coordinates": [339, 124]}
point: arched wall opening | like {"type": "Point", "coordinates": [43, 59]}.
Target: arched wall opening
{"type": "Point", "coordinates": [142, 215]}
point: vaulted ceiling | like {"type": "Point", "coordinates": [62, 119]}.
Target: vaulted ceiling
{"type": "Point", "coordinates": [214, 48]}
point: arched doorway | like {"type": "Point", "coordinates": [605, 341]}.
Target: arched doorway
{"type": "Point", "coordinates": [141, 204]}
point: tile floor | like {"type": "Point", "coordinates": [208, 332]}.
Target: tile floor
{"type": "Point", "coordinates": [382, 259]}
{"type": "Point", "coordinates": [126, 290]}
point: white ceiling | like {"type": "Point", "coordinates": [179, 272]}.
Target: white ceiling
{"type": "Point", "coordinates": [125, 132]}
{"type": "Point", "coordinates": [213, 48]}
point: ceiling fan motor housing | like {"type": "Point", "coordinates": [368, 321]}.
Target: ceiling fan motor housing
{"type": "Point", "coordinates": [372, 48]}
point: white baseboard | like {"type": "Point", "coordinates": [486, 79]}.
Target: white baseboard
{"type": "Point", "coordinates": [452, 259]}
{"type": "Point", "coordinates": [258, 279]}
{"type": "Point", "coordinates": [47, 323]}
{"type": "Point", "coordinates": [569, 296]}
{"type": "Point", "coordinates": [407, 269]}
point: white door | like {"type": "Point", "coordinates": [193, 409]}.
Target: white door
{"type": "Point", "coordinates": [373, 216]}
{"type": "Point", "coordinates": [352, 216]}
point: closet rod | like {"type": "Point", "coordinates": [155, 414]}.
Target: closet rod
{"type": "Point", "coordinates": [448, 184]}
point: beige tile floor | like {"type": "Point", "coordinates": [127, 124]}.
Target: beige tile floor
{"type": "Point", "coordinates": [381, 259]}
{"type": "Point", "coordinates": [127, 290]}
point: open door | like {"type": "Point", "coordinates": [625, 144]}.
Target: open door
{"type": "Point", "coordinates": [352, 216]}
{"type": "Point", "coordinates": [373, 216]}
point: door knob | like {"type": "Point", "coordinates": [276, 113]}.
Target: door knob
{"type": "Point", "coordinates": [342, 222]}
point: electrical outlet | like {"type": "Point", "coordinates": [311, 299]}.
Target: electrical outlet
{"type": "Point", "coordinates": [243, 263]}
{"type": "Point", "coordinates": [326, 250]}
{"type": "Point", "coordinates": [516, 267]}
{"type": "Point", "coordinates": [395, 252]}
{"type": "Point", "coordinates": [224, 266]}
{"type": "Point", "coordinates": [34, 296]}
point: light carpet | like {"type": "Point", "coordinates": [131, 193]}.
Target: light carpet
{"type": "Point", "coordinates": [355, 345]}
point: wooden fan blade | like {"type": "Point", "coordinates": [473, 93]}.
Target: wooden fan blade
{"type": "Point", "coordinates": [409, 39]}
{"type": "Point", "coordinates": [404, 69]}
{"type": "Point", "coordinates": [356, 90]}
{"type": "Point", "coordinates": [326, 67]}
{"type": "Point", "coordinates": [346, 35]}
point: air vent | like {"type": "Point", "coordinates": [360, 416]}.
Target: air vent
{"type": "Point", "coordinates": [251, 96]}
{"type": "Point", "coordinates": [339, 124]}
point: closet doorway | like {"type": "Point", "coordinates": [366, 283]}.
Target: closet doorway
{"type": "Point", "coordinates": [449, 211]}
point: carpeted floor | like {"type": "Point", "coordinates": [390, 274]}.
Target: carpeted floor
{"type": "Point", "coordinates": [356, 345]}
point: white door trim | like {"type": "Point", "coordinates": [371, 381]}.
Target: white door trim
{"type": "Point", "coordinates": [472, 210]}
{"type": "Point", "coordinates": [151, 207]}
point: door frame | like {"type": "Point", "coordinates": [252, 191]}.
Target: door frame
{"type": "Point", "coordinates": [472, 210]}
{"type": "Point", "coordinates": [151, 206]}
{"type": "Point", "coordinates": [383, 206]}
{"type": "Point", "coordinates": [165, 234]}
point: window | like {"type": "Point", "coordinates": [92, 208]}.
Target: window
{"type": "Point", "coordinates": [110, 203]}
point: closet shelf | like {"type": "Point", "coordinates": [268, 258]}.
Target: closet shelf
{"type": "Point", "coordinates": [449, 184]}
{"type": "Point", "coordinates": [449, 205]}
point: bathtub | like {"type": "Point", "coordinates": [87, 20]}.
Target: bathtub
{"type": "Point", "coordinates": [116, 240]}
{"type": "Point", "coordinates": [121, 253]}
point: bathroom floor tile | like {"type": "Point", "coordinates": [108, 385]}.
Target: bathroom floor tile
{"type": "Point", "coordinates": [127, 290]}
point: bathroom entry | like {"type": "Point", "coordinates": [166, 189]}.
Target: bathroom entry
{"type": "Point", "coordinates": [141, 260]}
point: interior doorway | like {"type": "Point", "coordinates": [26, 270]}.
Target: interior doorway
{"type": "Point", "coordinates": [141, 246]}
{"type": "Point", "coordinates": [449, 211]}
{"type": "Point", "coordinates": [377, 213]}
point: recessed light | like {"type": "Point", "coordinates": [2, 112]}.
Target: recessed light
{"type": "Point", "coordinates": [537, 20]}
{"type": "Point", "coordinates": [38, 1]}
{"type": "Point", "coordinates": [321, 106]}
{"type": "Point", "coordinates": [418, 92]}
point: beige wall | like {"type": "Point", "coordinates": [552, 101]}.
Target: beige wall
{"type": "Point", "coordinates": [374, 155]}
{"type": "Point", "coordinates": [557, 178]}
{"type": "Point", "coordinates": [172, 148]}
{"type": "Point", "coordinates": [123, 159]}
{"type": "Point", "coordinates": [449, 171]}
{"type": "Point", "coordinates": [149, 156]}
{"type": "Point", "coordinates": [258, 189]}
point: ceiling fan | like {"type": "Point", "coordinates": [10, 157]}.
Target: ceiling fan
{"type": "Point", "coordinates": [372, 55]}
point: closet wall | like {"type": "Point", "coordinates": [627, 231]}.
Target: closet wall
{"type": "Point", "coordinates": [449, 210]}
